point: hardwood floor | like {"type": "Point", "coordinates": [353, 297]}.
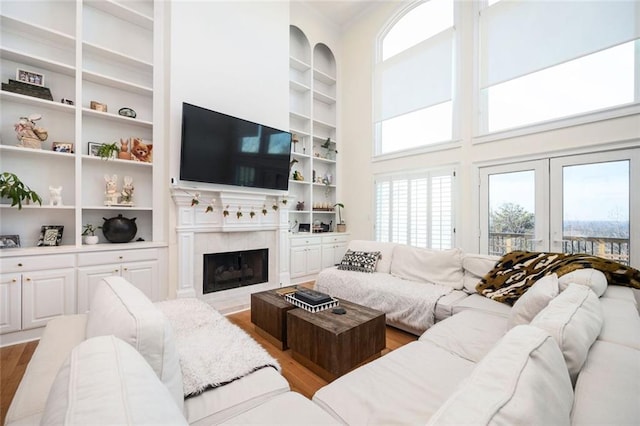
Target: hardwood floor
{"type": "Point", "coordinates": [14, 360]}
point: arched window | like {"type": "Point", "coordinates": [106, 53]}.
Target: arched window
{"type": "Point", "coordinates": [414, 77]}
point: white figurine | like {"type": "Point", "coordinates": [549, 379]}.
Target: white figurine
{"type": "Point", "coordinates": [111, 192]}
{"type": "Point", "coordinates": [55, 196]}
{"type": "Point", "coordinates": [127, 191]}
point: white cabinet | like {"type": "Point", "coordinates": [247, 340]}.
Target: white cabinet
{"type": "Point", "coordinates": [10, 302]}
{"type": "Point", "coordinates": [333, 249]}
{"type": "Point", "coordinates": [139, 267]}
{"type": "Point", "coordinates": [306, 256]}
{"type": "Point", "coordinates": [36, 289]}
{"type": "Point", "coordinates": [46, 295]}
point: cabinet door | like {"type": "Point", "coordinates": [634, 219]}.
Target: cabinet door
{"type": "Point", "coordinates": [88, 279]}
{"type": "Point", "coordinates": [328, 256]}
{"type": "Point", "coordinates": [46, 295]}
{"type": "Point", "coordinates": [143, 275]}
{"type": "Point", "coordinates": [339, 250]}
{"type": "Point", "coordinates": [298, 262]}
{"type": "Point", "coordinates": [314, 259]}
{"type": "Point", "coordinates": [10, 303]}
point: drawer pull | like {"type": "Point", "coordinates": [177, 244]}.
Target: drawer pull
{"type": "Point", "coordinates": [19, 264]}
{"type": "Point", "coordinates": [126, 269]}
{"type": "Point", "coordinates": [14, 280]}
{"type": "Point", "coordinates": [28, 279]}
{"type": "Point", "coordinates": [119, 257]}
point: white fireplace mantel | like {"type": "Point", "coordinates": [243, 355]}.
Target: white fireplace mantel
{"type": "Point", "coordinates": [228, 212]}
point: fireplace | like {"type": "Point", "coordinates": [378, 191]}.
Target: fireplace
{"type": "Point", "coordinates": [224, 271]}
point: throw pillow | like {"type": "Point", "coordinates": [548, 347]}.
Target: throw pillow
{"type": "Point", "coordinates": [592, 278]}
{"type": "Point", "coordinates": [360, 261]}
{"type": "Point", "coordinates": [534, 300]}
{"type": "Point", "coordinates": [443, 267]}
{"type": "Point", "coordinates": [574, 319]}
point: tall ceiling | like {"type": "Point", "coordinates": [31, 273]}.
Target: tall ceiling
{"type": "Point", "coordinates": [340, 11]}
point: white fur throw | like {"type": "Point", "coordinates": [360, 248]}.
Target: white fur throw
{"type": "Point", "coordinates": [213, 351]}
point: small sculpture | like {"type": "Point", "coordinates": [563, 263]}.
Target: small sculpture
{"type": "Point", "coordinates": [127, 191]}
{"type": "Point", "coordinates": [29, 135]}
{"type": "Point", "coordinates": [55, 196]}
{"type": "Point", "coordinates": [124, 153]}
{"type": "Point", "coordinates": [111, 192]}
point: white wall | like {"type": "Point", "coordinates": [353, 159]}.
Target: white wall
{"type": "Point", "coordinates": [358, 58]}
{"type": "Point", "coordinates": [231, 57]}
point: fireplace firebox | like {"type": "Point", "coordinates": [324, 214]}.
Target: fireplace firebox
{"type": "Point", "coordinates": [224, 271]}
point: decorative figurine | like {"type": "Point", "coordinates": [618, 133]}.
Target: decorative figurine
{"type": "Point", "coordinates": [124, 153]}
{"type": "Point", "coordinates": [55, 196]}
{"type": "Point", "coordinates": [110, 193]}
{"type": "Point", "coordinates": [127, 191]}
{"type": "Point", "coordinates": [29, 135]}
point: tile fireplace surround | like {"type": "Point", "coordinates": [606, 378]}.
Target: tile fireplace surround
{"type": "Point", "coordinates": [200, 232]}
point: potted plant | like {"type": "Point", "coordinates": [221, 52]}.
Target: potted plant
{"type": "Point", "coordinates": [341, 226]}
{"type": "Point", "coordinates": [89, 234]}
{"type": "Point", "coordinates": [13, 188]}
{"type": "Point", "coordinates": [107, 151]}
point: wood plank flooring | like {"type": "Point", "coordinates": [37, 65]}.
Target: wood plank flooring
{"type": "Point", "coordinates": [14, 360]}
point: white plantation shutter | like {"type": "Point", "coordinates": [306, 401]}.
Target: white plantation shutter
{"type": "Point", "coordinates": [441, 212]}
{"type": "Point", "coordinates": [415, 209]}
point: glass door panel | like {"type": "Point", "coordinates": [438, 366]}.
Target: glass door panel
{"type": "Point", "coordinates": [513, 214]}
{"type": "Point", "coordinates": [595, 208]}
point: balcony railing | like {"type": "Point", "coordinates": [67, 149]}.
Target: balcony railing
{"type": "Point", "coordinates": [616, 249]}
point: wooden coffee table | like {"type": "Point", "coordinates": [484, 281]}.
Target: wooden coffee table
{"type": "Point", "coordinates": [331, 345]}
{"type": "Point", "coordinates": [269, 315]}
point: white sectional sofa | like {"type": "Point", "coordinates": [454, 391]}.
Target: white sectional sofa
{"type": "Point", "coordinates": [568, 352]}
{"type": "Point", "coordinates": [118, 364]}
{"type": "Point", "coordinates": [574, 363]}
{"type": "Point", "coordinates": [414, 287]}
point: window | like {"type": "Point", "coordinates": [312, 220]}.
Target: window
{"type": "Point", "coordinates": [415, 209]}
{"type": "Point", "coordinates": [413, 80]}
{"type": "Point", "coordinates": [542, 61]}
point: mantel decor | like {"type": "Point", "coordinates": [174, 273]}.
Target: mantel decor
{"type": "Point", "coordinates": [50, 235]}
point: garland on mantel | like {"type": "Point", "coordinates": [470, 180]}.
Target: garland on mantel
{"type": "Point", "coordinates": [195, 200]}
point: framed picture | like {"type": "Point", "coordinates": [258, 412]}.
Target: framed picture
{"type": "Point", "coordinates": [30, 77]}
{"type": "Point", "coordinates": [50, 235]}
{"type": "Point", "coordinates": [62, 147]}
{"type": "Point", "coordinates": [93, 148]}
{"type": "Point", "coordinates": [9, 241]}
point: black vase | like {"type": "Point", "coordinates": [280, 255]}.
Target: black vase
{"type": "Point", "coordinates": [119, 229]}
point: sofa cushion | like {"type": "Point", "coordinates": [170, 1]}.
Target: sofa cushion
{"type": "Point", "coordinates": [289, 408]}
{"type": "Point", "coordinates": [592, 278]}
{"type": "Point", "coordinates": [574, 319]}
{"type": "Point", "coordinates": [385, 249]}
{"type": "Point", "coordinates": [534, 300]}
{"type": "Point", "coordinates": [59, 338]}
{"type": "Point", "coordinates": [360, 261]}
{"type": "Point", "coordinates": [406, 386]}
{"type": "Point", "coordinates": [214, 406]}
{"type": "Point", "coordinates": [608, 389]}
{"type": "Point", "coordinates": [621, 322]}
{"type": "Point", "coordinates": [620, 292]}
{"type": "Point", "coordinates": [469, 334]}
{"type": "Point", "coordinates": [477, 302]}
{"type": "Point", "coordinates": [442, 267]}
{"type": "Point", "coordinates": [121, 309]}
{"type": "Point", "coordinates": [523, 377]}
{"type": "Point", "coordinates": [106, 381]}
{"type": "Point", "coordinates": [475, 267]}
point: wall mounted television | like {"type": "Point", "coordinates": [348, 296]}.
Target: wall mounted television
{"type": "Point", "coordinates": [220, 149]}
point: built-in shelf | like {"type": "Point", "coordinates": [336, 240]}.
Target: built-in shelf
{"type": "Point", "coordinates": [123, 12]}
{"type": "Point", "coordinates": [117, 118]}
{"type": "Point", "coordinates": [298, 65]}
{"type": "Point", "coordinates": [116, 83]}
{"type": "Point", "coordinates": [36, 61]}
{"type": "Point", "coordinates": [132, 163]}
{"type": "Point", "coordinates": [111, 55]}
{"type": "Point", "coordinates": [54, 37]}
{"type": "Point", "coordinates": [36, 102]}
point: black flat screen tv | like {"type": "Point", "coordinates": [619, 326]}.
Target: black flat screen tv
{"type": "Point", "coordinates": [220, 149]}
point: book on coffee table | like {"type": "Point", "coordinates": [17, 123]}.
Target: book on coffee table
{"type": "Point", "coordinates": [312, 297]}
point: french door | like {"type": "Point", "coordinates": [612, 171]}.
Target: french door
{"type": "Point", "coordinates": [574, 204]}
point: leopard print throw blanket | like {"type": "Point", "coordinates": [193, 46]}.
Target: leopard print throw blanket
{"type": "Point", "coordinates": [517, 271]}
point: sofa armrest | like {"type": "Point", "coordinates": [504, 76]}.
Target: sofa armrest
{"type": "Point", "coordinates": [60, 336]}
